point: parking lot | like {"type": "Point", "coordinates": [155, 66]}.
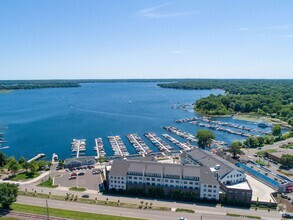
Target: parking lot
{"type": "Point", "coordinates": [85, 179]}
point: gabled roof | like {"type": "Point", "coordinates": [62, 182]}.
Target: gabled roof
{"type": "Point", "coordinates": [205, 158]}
{"type": "Point", "coordinates": [121, 167]}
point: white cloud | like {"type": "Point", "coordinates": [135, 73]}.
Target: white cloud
{"type": "Point", "coordinates": [242, 29]}
{"type": "Point", "coordinates": [153, 12]}
{"type": "Point", "coordinates": [279, 27]}
{"type": "Point", "coordinates": [176, 51]}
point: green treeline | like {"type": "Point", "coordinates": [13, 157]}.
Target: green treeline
{"type": "Point", "coordinates": [36, 84]}
{"type": "Point", "coordinates": [272, 98]}
{"type": "Point", "coordinates": [39, 84]}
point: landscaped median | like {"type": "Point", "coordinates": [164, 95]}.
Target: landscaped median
{"type": "Point", "coordinates": [74, 198]}
{"type": "Point", "coordinates": [48, 183]}
{"type": "Point", "coordinates": [78, 189]}
{"type": "Point", "coordinates": [185, 210]}
{"type": "Point", "coordinates": [243, 216]}
{"type": "Point", "coordinates": [65, 213]}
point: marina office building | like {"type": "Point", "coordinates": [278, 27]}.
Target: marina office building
{"type": "Point", "coordinates": [147, 175]}
{"type": "Point", "coordinates": [232, 179]}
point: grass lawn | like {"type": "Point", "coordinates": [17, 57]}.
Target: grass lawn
{"type": "Point", "coordinates": [65, 213]}
{"type": "Point", "coordinates": [263, 152]}
{"type": "Point", "coordinates": [48, 183]}
{"type": "Point", "coordinates": [78, 189]}
{"type": "Point", "coordinates": [288, 146]}
{"type": "Point", "coordinates": [24, 176]}
{"type": "Point", "coordinates": [8, 218]}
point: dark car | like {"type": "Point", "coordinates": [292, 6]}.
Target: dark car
{"type": "Point", "coordinates": [85, 196]}
{"type": "Point", "coordinates": [80, 174]}
{"type": "Point", "coordinates": [287, 215]}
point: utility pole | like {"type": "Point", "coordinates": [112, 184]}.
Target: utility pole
{"type": "Point", "coordinates": [47, 207]}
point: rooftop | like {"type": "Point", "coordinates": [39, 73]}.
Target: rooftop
{"type": "Point", "coordinates": [242, 185]}
{"type": "Point", "coordinates": [121, 167]}
{"type": "Point", "coordinates": [208, 159]}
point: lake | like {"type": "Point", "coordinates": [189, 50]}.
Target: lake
{"type": "Point", "coordinates": [46, 120]}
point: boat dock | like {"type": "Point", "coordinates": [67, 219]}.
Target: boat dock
{"type": "Point", "coordinates": [139, 145]}
{"type": "Point", "coordinates": [38, 156]}
{"type": "Point", "coordinates": [78, 146]}
{"type": "Point", "coordinates": [158, 142]}
{"type": "Point", "coordinates": [180, 133]}
{"type": "Point", "coordinates": [219, 128]}
{"type": "Point", "coordinates": [5, 147]}
{"type": "Point", "coordinates": [118, 146]}
{"type": "Point", "coordinates": [183, 146]}
{"type": "Point", "coordinates": [99, 148]}
{"type": "Point", "coordinates": [216, 126]}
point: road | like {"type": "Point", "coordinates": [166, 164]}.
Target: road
{"type": "Point", "coordinates": [249, 154]}
{"type": "Point", "coordinates": [206, 211]}
{"type": "Point", "coordinates": [200, 213]}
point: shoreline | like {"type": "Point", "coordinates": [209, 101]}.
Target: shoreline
{"type": "Point", "coordinates": [251, 117]}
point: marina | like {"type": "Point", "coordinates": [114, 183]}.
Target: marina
{"type": "Point", "coordinates": [158, 142]}
{"type": "Point", "coordinates": [139, 145]}
{"type": "Point", "coordinates": [78, 146]}
{"type": "Point", "coordinates": [99, 148]}
{"type": "Point", "coordinates": [183, 146]}
{"type": "Point", "coordinates": [218, 128]}
{"type": "Point", "coordinates": [215, 125]}
{"type": "Point", "coordinates": [180, 133]}
{"type": "Point", "coordinates": [118, 146]}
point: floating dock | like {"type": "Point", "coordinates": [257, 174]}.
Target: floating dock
{"type": "Point", "coordinates": [78, 146]}
{"type": "Point", "coordinates": [216, 126]}
{"type": "Point", "coordinates": [139, 145]}
{"type": "Point", "coordinates": [180, 133]}
{"type": "Point", "coordinates": [158, 142]}
{"type": "Point", "coordinates": [38, 156]}
{"type": "Point", "coordinates": [183, 146]}
{"type": "Point", "coordinates": [99, 148]}
{"type": "Point", "coordinates": [118, 146]}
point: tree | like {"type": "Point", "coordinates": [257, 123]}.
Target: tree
{"type": "Point", "coordinates": [235, 149]}
{"type": "Point", "coordinates": [13, 165]}
{"type": "Point", "coordinates": [276, 130]}
{"type": "Point", "coordinates": [21, 160]}
{"type": "Point", "coordinates": [34, 166]}
{"type": "Point", "coordinates": [3, 159]}
{"type": "Point", "coordinates": [8, 194]}
{"type": "Point", "coordinates": [205, 138]}
{"type": "Point", "coordinates": [25, 165]}
{"type": "Point", "coordinates": [287, 160]}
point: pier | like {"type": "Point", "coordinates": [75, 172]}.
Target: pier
{"type": "Point", "coordinates": [183, 146]}
{"type": "Point", "coordinates": [216, 125]}
{"type": "Point", "coordinates": [158, 142]}
{"type": "Point", "coordinates": [99, 148]}
{"type": "Point", "coordinates": [180, 133]}
{"type": "Point", "coordinates": [118, 146]}
{"type": "Point", "coordinates": [78, 146]}
{"type": "Point", "coordinates": [139, 145]}
{"type": "Point", "coordinates": [38, 156]}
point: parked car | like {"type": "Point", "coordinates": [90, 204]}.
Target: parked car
{"type": "Point", "coordinates": [80, 174]}
{"type": "Point", "coordinates": [73, 174]}
{"type": "Point", "coordinates": [287, 215]}
{"type": "Point", "coordinates": [85, 196]}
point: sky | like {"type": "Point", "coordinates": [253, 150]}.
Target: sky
{"type": "Point", "coordinates": [106, 39]}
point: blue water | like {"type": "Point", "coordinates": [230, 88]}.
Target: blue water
{"type": "Point", "coordinates": [264, 178]}
{"type": "Point", "coordinates": [46, 120]}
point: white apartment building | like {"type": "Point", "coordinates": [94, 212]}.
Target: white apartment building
{"type": "Point", "coordinates": [145, 174]}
